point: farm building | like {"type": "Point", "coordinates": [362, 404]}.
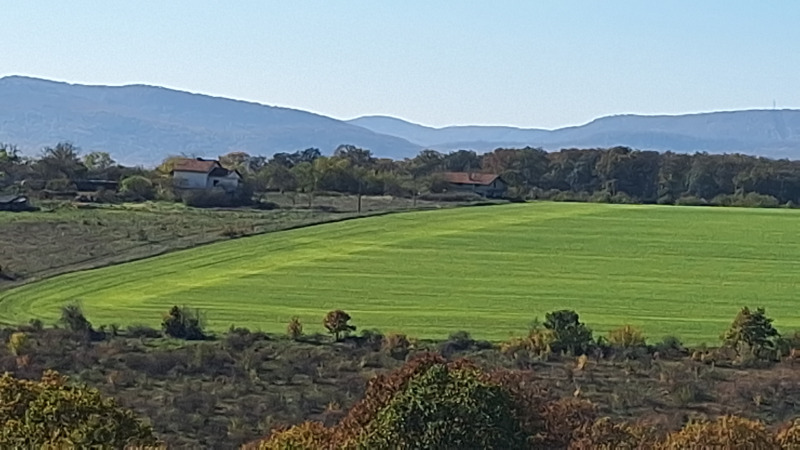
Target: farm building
{"type": "Point", "coordinates": [204, 174]}
{"type": "Point", "coordinates": [14, 203]}
{"type": "Point", "coordinates": [485, 184]}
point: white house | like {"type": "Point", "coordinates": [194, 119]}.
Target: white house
{"type": "Point", "coordinates": [204, 174]}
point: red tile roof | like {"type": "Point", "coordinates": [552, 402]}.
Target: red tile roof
{"type": "Point", "coordinates": [483, 179]}
{"type": "Point", "coordinates": [195, 165]}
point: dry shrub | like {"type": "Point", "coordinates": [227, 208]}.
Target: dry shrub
{"type": "Point", "coordinates": [604, 434]}
{"type": "Point", "coordinates": [396, 345]}
{"type": "Point", "coordinates": [728, 432]}
{"type": "Point", "coordinates": [562, 417]}
{"type": "Point", "coordinates": [626, 337]}
{"type": "Point", "coordinates": [306, 436]}
{"type": "Point", "coordinates": [581, 362]}
{"type": "Point", "coordinates": [537, 343]}
{"type": "Point", "coordinates": [788, 436]}
{"type": "Point", "coordinates": [295, 328]}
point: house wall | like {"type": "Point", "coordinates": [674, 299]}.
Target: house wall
{"type": "Point", "coordinates": [190, 180]}
{"type": "Point", "coordinates": [227, 183]}
{"type": "Point", "coordinates": [496, 189]}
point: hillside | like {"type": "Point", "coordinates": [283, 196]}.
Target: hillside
{"type": "Point", "coordinates": [771, 133]}
{"type": "Point", "coordinates": [143, 124]}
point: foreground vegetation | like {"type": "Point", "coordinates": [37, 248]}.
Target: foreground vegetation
{"type": "Point", "coordinates": [668, 270]}
{"type": "Point", "coordinates": [370, 390]}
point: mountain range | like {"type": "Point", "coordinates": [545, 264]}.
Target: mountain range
{"type": "Point", "coordinates": [141, 124]}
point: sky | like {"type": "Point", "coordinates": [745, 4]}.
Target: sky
{"type": "Point", "coordinates": [542, 64]}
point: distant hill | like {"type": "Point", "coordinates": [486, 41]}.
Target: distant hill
{"type": "Point", "coordinates": [772, 133]}
{"type": "Point", "coordinates": [143, 124]}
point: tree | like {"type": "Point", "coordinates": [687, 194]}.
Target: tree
{"type": "Point", "coordinates": [752, 331]}
{"type": "Point", "coordinates": [52, 414]}
{"type": "Point", "coordinates": [138, 187]}
{"type": "Point", "coordinates": [183, 323]}
{"type": "Point", "coordinates": [336, 323]}
{"type": "Point", "coordinates": [98, 161]}
{"type": "Point", "coordinates": [571, 335]}
{"type": "Point", "coordinates": [61, 161]}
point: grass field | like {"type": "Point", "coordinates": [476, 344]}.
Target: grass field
{"type": "Point", "coordinates": [489, 270]}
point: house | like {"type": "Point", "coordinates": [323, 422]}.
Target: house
{"type": "Point", "coordinates": [485, 184]}
{"type": "Point", "coordinates": [15, 203]}
{"type": "Point", "coordinates": [204, 174]}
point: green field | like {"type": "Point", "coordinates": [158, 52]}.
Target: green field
{"type": "Point", "coordinates": [489, 270]}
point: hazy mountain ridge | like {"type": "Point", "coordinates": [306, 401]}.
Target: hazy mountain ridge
{"type": "Point", "coordinates": [774, 133]}
{"type": "Point", "coordinates": [143, 124]}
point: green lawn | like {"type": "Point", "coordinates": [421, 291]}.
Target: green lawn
{"type": "Point", "coordinates": [489, 270]}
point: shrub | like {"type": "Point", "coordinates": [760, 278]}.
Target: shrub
{"type": "Point", "coordinates": [396, 345]}
{"type": "Point", "coordinates": [60, 185]}
{"type": "Point", "coordinates": [51, 414]}
{"type": "Point", "coordinates": [137, 187]}
{"type": "Point", "coordinates": [73, 319]}
{"type": "Point", "coordinates": [626, 337]}
{"type": "Point", "coordinates": [295, 328]}
{"type": "Point", "coordinates": [604, 434]}
{"type": "Point", "coordinates": [537, 343]}
{"type": "Point", "coordinates": [447, 407]}
{"type": "Point", "coordinates": [336, 322]}
{"type": "Point", "coordinates": [142, 331]}
{"type": "Point", "coordinates": [670, 347]}
{"type": "Point", "coordinates": [691, 200]}
{"type": "Point", "coordinates": [570, 334]}
{"type": "Point", "coordinates": [729, 432]}
{"type": "Point", "coordinates": [183, 323]}
{"type": "Point", "coordinates": [17, 343]}
{"type": "Point", "coordinates": [306, 436]}
{"type": "Point", "coordinates": [788, 436]}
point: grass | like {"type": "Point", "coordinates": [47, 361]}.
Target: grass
{"type": "Point", "coordinates": [489, 270]}
{"type": "Point", "coordinates": [65, 238]}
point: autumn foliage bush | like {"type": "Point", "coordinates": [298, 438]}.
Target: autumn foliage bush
{"type": "Point", "coordinates": [52, 414]}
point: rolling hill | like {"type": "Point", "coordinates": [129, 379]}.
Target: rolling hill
{"type": "Point", "coordinates": [143, 124]}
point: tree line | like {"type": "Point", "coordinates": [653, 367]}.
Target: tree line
{"type": "Point", "coordinates": [617, 175]}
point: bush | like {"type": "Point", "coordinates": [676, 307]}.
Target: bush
{"type": "Point", "coordinates": [137, 187]}
{"type": "Point", "coordinates": [183, 323]}
{"type": "Point", "coordinates": [73, 319]}
{"type": "Point", "coordinates": [51, 414]}
{"type": "Point", "coordinates": [691, 200]}
{"type": "Point", "coordinates": [626, 337]}
{"type": "Point", "coordinates": [396, 345]}
{"type": "Point", "coordinates": [60, 185]}
{"type": "Point", "coordinates": [570, 334]}
{"type": "Point", "coordinates": [447, 406]}
{"type": "Point", "coordinates": [142, 331]}
{"type": "Point", "coordinates": [728, 432]}
{"type": "Point", "coordinates": [295, 329]}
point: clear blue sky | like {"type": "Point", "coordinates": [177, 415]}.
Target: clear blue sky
{"type": "Point", "coordinates": [523, 63]}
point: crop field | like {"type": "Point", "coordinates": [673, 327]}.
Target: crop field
{"type": "Point", "coordinates": [488, 270]}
